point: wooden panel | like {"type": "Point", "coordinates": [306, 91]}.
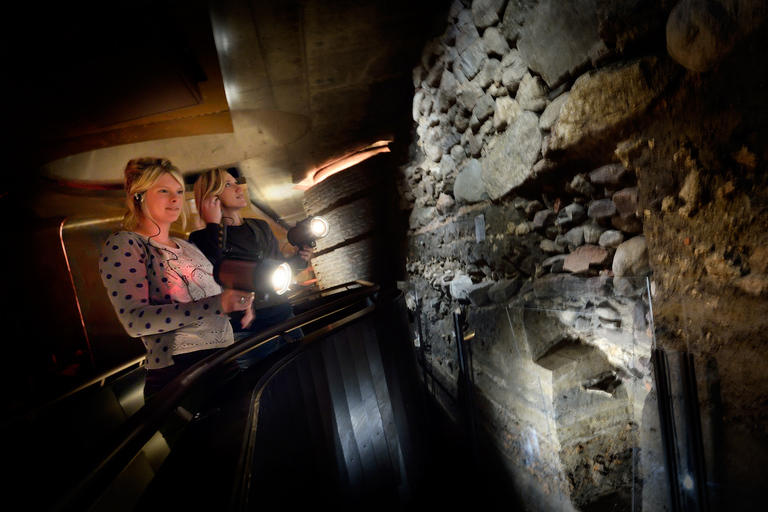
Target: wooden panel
{"type": "Point", "coordinates": [44, 337]}
{"type": "Point", "coordinates": [110, 345]}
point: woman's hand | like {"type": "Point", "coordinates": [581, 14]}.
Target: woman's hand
{"type": "Point", "coordinates": [248, 317]}
{"type": "Point", "coordinates": [306, 253]}
{"type": "Point", "coordinates": [210, 210]}
{"type": "Point", "coordinates": [236, 300]}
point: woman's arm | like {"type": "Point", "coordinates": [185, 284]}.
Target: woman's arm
{"type": "Point", "coordinates": [208, 241]}
{"type": "Point", "coordinates": [298, 262]}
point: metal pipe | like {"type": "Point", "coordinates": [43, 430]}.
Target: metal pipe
{"type": "Point", "coordinates": [466, 382]}
{"type": "Point", "coordinates": [695, 437]}
{"type": "Point", "coordinates": [659, 360]}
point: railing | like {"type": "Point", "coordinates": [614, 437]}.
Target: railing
{"type": "Point", "coordinates": [98, 468]}
{"type": "Point", "coordinates": [100, 380]}
{"type": "Point", "coordinates": [343, 417]}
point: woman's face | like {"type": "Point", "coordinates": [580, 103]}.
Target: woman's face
{"type": "Point", "coordinates": [164, 200]}
{"type": "Point", "coordinates": [232, 196]}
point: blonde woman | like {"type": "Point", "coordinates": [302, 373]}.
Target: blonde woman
{"type": "Point", "coordinates": [162, 287]}
{"type": "Point", "coordinates": [219, 199]}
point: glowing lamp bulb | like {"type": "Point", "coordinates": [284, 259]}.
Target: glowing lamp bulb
{"type": "Point", "coordinates": [281, 278]}
{"type": "Point", "coordinates": [319, 227]}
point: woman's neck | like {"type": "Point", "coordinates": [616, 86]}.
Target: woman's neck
{"type": "Point", "coordinates": [231, 216]}
{"type": "Point", "coordinates": [160, 233]}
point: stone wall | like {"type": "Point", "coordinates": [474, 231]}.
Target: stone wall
{"type": "Point", "coordinates": [601, 141]}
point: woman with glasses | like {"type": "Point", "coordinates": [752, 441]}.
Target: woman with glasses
{"type": "Point", "coordinates": [162, 287]}
{"type": "Point", "coordinates": [219, 197]}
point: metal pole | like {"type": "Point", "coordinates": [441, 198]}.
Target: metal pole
{"type": "Point", "coordinates": [466, 383]}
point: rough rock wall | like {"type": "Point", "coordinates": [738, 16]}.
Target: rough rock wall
{"type": "Point", "coordinates": [597, 139]}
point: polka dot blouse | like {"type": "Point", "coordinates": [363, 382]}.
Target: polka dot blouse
{"type": "Point", "coordinates": [165, 295]}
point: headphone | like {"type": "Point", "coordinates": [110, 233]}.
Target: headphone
{"type": "Point", "coordinates": [138, 197]}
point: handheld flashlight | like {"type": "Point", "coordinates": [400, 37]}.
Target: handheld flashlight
{"type": "Point", "coordinates": [264, 277]}
{"type": "Point", "coordinates": [305, 232]}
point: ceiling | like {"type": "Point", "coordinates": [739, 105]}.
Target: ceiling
{"type": "Point", "coordinates": [280, 89]}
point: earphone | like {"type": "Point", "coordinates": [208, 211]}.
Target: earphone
{"type": "Point", "coordinates": [138, 197]}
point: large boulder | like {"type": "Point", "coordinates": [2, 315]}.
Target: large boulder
{"type": "Point", "coordinates": [469, 186]}
{"type": "Point", "coordinates": [511, 155]}
{"type": "Point", "coordinates": [631, 258]}
{"type": "Point", "coordinates": [700, 34]}
{"type": "Point", "coordinates": [560, 38]}
{"type": "Point", "coordinates": [603, 102]}
{"type": "Point", "coordinates": [487, 12]}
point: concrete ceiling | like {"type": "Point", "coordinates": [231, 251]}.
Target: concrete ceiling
{"type": "Point", "coordinates": [279, 89]}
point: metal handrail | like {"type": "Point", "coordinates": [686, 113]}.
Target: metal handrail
{"type": "Point", "coordinates": [301, 297]}
{"type": "Point", "coordinates": [239, 495]}
{"type": "Point", "coordinates": [102, 465]}
{"type": "Point", "coordinates": [100, 379]}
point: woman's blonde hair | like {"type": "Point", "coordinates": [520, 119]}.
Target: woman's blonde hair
{"type": "Point", "coordinates": [140, 175]}
{"type": "Point", "coordinates": [210, 183]}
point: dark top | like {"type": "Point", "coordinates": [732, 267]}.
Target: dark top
{"type": "Point", "coordinates": [252, 240]}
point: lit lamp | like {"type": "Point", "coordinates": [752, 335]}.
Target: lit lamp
{"type": "Point", "coordinates": [305, 232]}
{"type": "Point", "coordinates": [263, 278]}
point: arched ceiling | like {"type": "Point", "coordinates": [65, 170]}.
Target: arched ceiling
{"type": "Point", "coordinates": [278, 89]}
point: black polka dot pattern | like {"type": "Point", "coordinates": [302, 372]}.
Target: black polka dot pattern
{"type": "Point", "coordinates": [153, 303]}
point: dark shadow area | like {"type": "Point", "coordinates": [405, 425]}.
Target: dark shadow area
{"type": "Point", "coordinates": [455, 478]}
{"type": "Point", "coordinates": [620, 501]}
{"type": "Point", "coordinates": [202, 465]}
{"type": "Point", "coordinates": [291, 431]}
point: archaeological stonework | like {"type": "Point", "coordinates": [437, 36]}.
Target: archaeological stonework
{"type": "Point", "coordinates": [586, 182]}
